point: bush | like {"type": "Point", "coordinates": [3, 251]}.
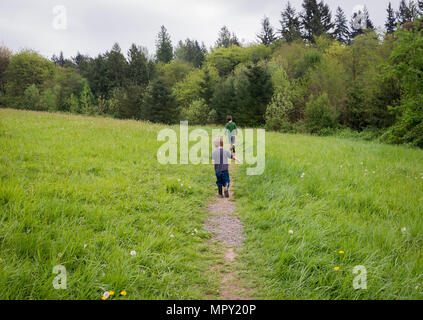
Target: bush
{"type": "Point", "coordinates": [409, 127]}
{"type": "Point", "coordinates": [198, 112]}
{"type": "Point", "coordinates": [278, 113]}
{"type": "Point", "coordinates": [72, 104]}
{"type": "Point", "coordinates": [212, 117]}
{"type": "Point", "coordinates": [31, 98]}
{"type": "Point", "coordinates": [319, 115]}
{"type": "Point", "coordinates": [48, 100]}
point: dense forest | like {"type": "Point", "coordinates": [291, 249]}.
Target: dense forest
{"type": "Point", "coordinates": [316, 72]}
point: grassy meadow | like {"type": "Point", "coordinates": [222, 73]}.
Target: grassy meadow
{"type": "Point", "coordinates": [336, 195]}
{"type": "Point", "coordinates": [84, 192]}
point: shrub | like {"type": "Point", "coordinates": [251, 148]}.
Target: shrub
{"type": "Point", "coordinates": [198, 112]}
{"type": "Point", "coordinates": [72, 104]}
{"type": "Point", "coordinates": [409, 126]}
{"type": "Point", "coordinates": [31, 98]}
{"type": "Point", "coordinates": [48, 100]}
{"type": "Point", "coordinates": [319, 115]}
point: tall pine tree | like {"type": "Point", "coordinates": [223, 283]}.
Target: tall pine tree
{"type": "Point", "coordinates": [341, 33]}
{"type": "Point", "coordinates": [267, 35]}
{"type": "Point", "coordinates": [160, 104]}
{"type": "Point", "coordinates": [316, 19]}
{"type": "Point", "coordinates": [226, 39]}
{"type": "Point", "coordinates": [138, 71]}
{"type": "Point", "coordinates": [391, 21]}
{"type": "Point", "coordinates": [408, 12]}
{"type": "Point", "coordinates": [290, 24]}
{"type": "Point", "coordinates": [164, 48]}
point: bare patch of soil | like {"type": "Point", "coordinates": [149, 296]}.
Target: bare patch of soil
{"type": "Point", "coordinates": [227, 231]}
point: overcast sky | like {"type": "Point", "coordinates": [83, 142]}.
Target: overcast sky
{"type": "Point", "coordinates": [94, 25]}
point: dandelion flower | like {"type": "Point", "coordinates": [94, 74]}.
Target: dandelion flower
{"type": "Point", "coordinates": [103, 298]}
{"type": "Point", "coordinates": [133, 253]}
{"type": "Point", "coordinates": [336, 268]}
{"type": "Point", "coordinates": [341, 252]}
{"type": "Point", "coordinates": [123, 293]}
{"type": "Point", "coordinates": [111, 292]}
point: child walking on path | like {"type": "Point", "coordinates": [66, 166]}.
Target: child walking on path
{"type": "Point", "coordinates": [231, 131]}
{"type": "Point", "coordinates": [220, 158]}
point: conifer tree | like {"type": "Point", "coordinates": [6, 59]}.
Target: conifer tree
{"type": "Point", "coordinates": [316, 19]}
{"type": "Point", "coordinates": [267, 35]}
{"type": "Point", "coordinates": [390, 20]}
{"type": "Point", "coordinates": [164, 49]}
{"type": "Point", "coordinates": [226, 39]}
{"type": "Point", "coordinates": [341, 33]}
{"type": "Point", "coordinates": [290, 24]}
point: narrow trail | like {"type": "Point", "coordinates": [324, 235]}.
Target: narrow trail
{"type": "Point", "coordinates": [227, 233]}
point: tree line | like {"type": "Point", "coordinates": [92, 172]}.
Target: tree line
{"type": "Point", "coordinates": [315, 73]}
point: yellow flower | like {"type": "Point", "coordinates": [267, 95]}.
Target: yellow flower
{"type": "Point", "coordinates": [103, 298]}
{"type": "Point", "coordinates": [341, 252]}
{"type": "Point", "coordinates": [336, 268]}
{"type": "Point", "coordinates": [123, 293]}
{"type": "Point", "coordinates": [111, 292]}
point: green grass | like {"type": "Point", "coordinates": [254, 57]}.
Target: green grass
{"type": "Point", "coordinates": [355, 197]}
{"type": "Point", "coordinates": [84, 192]}
{"type": "Point", "coordinates": [69, 181]}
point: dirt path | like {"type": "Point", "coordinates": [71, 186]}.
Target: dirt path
{"type": "Point", "coordinates": [227, 235]}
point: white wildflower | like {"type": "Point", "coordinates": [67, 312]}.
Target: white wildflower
{"type": "Point", "coordinates": [133, 253]}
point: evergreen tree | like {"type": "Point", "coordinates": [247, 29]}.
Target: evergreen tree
{"type": "Point", "coordinates": [164, 48]}
{"type": "Point", "coordinates": [316, 19]}
{"type": "Point", "coordinates": [206, 87]}
{"type": "Point", "coordinates": [116, 65]}
{"type": "Point", "coordinates": [408, 12]}
{"type": "Point", "coordinates": [138, 71]}
{"type": "Point", "coordinates": [225, 39]}
{"type": "Point", "coordinates": [59, 60]}
{"type": "Point", "coordinates": [341, 33]}
{"type": "Point", "coordinates": [254, 95]}
{"type": "Point", "coordinates": [191, 51]}
{"type": "Point", "coordinates": [390, 20]}
{"type": "Point", "coordinates": [160, 104]}
{"type": "Point", "coordinates": [267, 35]}
{"type": "Point", "coordinates": [420, 3]}
{"type": "Point", "coordinates": [290, 24]}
